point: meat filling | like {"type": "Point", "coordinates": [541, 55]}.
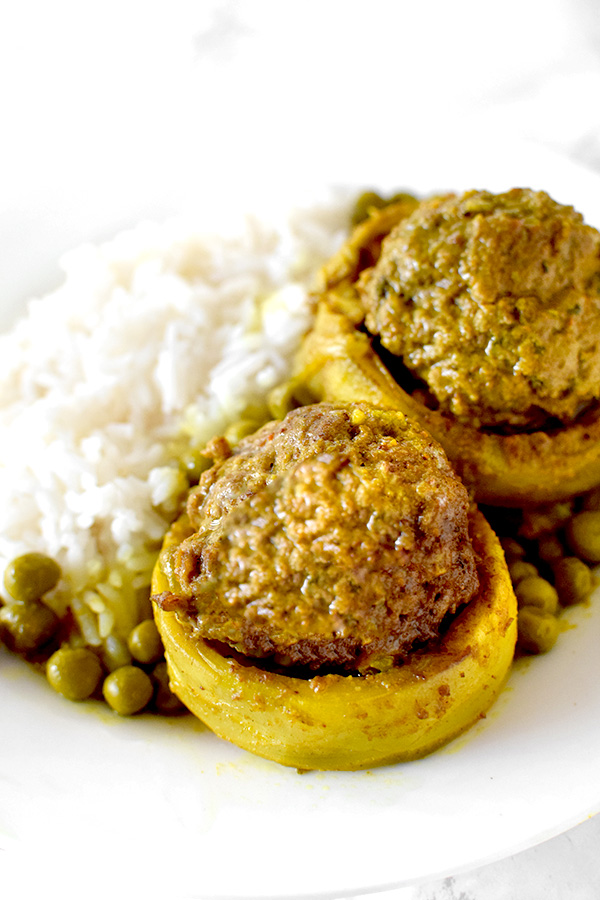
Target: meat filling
{"type": "Point", "coordinates": [337, 538]}
{"type": "Point", "coordinates": [494, 302]}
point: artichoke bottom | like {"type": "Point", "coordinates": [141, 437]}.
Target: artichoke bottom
{"type": "Point", "coordinates": [337, 362]}
{"type": "Point", "coordinates": [346, 722]}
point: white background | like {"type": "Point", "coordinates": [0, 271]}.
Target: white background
{"type": "Point", "coordinates": [109, 107]}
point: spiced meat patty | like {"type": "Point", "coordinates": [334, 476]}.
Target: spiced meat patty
{"type": "Point", "coordinates": [338, 537]}
{"type": "Point", "coordinates": [493, 300]}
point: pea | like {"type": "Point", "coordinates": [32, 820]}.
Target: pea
{"type": "Point", "coordinates": [573, 580]}
{"type": "Point", "coordinates": [240, 429]}
{"type": "Point", "coordinates": [115, 653]}
{"type": "Point", "coordinates": [25, 627]}
{"type": "Point", "coordinates": [127, 690]}
{"type": "Point", "coordinates": [365, 202]}
{"type": "Point", "coordinates": [536, 591]}
{"type": "Point", "coordinates": [74, 672]}
{"type": "Point", "coordinates": [194, 464]}
{"type": "Point", "coordinates": [166, 702]}
{"type": "Point", "coordinates": [545, 519]}
{"type": "Point", "coordinates": [144, 642]}
{"type": "Point", "coordinates": [281, 399]}
{"type": "Point", "coordinates": [519, 570]}
{"type": "Point", "coordinates": [583, 535]}
{"type": "Point", "coordinates": [550, 548]}
{"type": "Point", "coordinates": [512, 549]}
{"type": "Point", "coordinates": [400, 197]}
{"type": "Point", "coordinates": [537, 631]}
{"type": "Point", "coordinates": [287, 396]}
{"type": "Point", "coordinates": [30, 576]}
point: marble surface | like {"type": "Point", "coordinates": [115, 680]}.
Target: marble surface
{"type": "Point", "coordinates": [94, 92]}
{"type": "Point", "coordinates": [564, 868]}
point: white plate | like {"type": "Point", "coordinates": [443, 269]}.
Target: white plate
{"type": "Point", "coordinates": [79, 786]}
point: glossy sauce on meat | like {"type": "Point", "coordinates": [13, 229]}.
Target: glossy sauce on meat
{"type": "Point", "coordinates": [493, 300]}
{"type": "Point", "coordinates": [337, 538]}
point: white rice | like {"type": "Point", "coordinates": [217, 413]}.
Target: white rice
{"type": "Point", "coordinates": [166, 327]}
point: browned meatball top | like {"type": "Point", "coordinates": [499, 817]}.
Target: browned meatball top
{"type": "Point", "coordinates": [494, 301]}
{"type": "Point", "coordinates": [337, 537]}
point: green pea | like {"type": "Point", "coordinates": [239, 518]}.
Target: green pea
{"type": "Point", "coordinates": [166, 702]}
{"type": "Point", "coordinates": [281, 399]}
{"type": "Point", "coordinates": [287, 396]}
{"type": "Point", "coordinates": [573, 580]}
{"type": "Point", "coordinates": [550, 548]}
{"type": "Point", "coordinates": [115, 653]}
{"type": "Point", "coordinates": [400, 197]}
{"type": "Point", "coordinates": [520, 569]}
{"type": "Point", "coordinates": [365, 202]}
{"type": "Point", "coordinates": [194, 463]}
{"type": "Point", "coordinates": [545, 519]}
{"type": "Point", "coordinates": [536, 591]}
{"type": "Point", "coordinates": [127, 690]}
{"type": "Point", "coordinates": [512, 549]}
{"type": "Point", "coordinates": [144, 642]}
{"type": "Point", "coordinates": [30, 576]}
{"type": "Point", "coordinates": [583, 535]}
{"type": "Point", "coordinates": [26, 627]}
{"type": "Point", "coordinates": [240, 429]}
{"type": "Point", "coordinates": [537, 631]}
{"type": "Point", "coordinates": [74, 672]}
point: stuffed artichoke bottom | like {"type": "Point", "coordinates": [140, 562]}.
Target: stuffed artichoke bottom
{"type": "Point", "coordinates": [479, 316]}
{"type": "Point", "coordinates": [331, 599]}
